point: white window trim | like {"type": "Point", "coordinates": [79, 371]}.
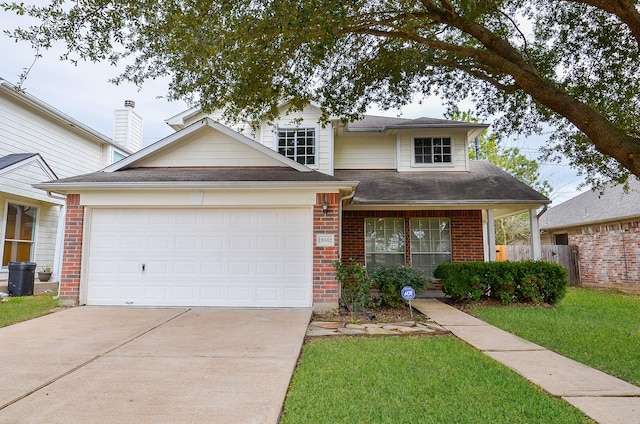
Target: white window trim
{"type": "Point", "coordinates": [316, 128]}
{"type": "Point", "coordinates": [4, 228]}
{"type": "Point", "coordinates": [414, 164]}
{"type": "Point", "coordinates": [404, 251]}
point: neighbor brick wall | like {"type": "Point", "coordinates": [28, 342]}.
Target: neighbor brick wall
{"type": "Point", "coordinates": [609, 254]}
{"type": "Point", "coordinates": [467, 242]}
{"type": "Point", "coordinates": [72, 251]}
{"type": "Point", "coordinates": [326, 291]}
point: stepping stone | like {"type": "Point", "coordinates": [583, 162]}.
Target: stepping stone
{"type": "Point", "coordinates": [322, 332]}
{"type": "Point", "coordinates": [378, 331]}
{"type": "Point", "coordinates": [351, 331]}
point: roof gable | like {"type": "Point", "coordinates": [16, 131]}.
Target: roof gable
{"type": "Point", "coordinates": [11, 163]}
{"type": "Point", "coordinates": [206, 144]}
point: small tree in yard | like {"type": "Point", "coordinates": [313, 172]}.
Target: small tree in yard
{"type": "Point", "coordinates": [355, 285]}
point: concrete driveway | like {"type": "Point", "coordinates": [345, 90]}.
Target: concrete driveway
{"type": "Point", "coordinates": [150, 365]}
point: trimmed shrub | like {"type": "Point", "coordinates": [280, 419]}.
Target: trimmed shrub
{"type": "Point", "coordinates": [527, 281]}
{"type": "Point", "coordinates": [355, 285]}
{"type": "Point", "coordinates": [391, 280]}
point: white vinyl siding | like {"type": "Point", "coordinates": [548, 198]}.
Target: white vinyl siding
{"type": "Point", "coordinates": [209, 147]}
{"type": "Point", "coordinates": [67, 152]}
{"type": "Point", "coordinates": [365, 152]}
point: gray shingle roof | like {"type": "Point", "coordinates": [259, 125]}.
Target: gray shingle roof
{"type": "Point", "coordinates": [484, 183]}
{"type": "Point", "coordinates": [591, 207]}
{"type": "Point", "coordinates": [382, 123]}
{"type": "Point", "coordinates": [14, 158]}
{"type": "Point", "coordinates": [144, 175]}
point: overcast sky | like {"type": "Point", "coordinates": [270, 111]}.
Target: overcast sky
{"type": "Point", "coordinates": [84, 93]}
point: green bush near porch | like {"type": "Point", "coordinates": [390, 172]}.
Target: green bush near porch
{"type": "Point", "coordinates": [526, 281]}
{"type": "Point", "coordinates": [390, 281]}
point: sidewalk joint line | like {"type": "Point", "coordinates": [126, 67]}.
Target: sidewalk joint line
{"type": "Point", "coordinates": [82, 365]}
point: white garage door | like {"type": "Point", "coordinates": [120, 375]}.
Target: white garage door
{"type": "Point", "coordinates": [200, 257]}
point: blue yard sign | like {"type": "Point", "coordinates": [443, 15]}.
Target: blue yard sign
{"type": "Point", "coordinates": [408, 293]}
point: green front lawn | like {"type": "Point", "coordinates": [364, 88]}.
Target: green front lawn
{"type": "Point", "coordinates": [599, 329]}
{"type": "Point", "coordinates": [413, 380]}
{"type": "Point", "coordinates": [18, 309]}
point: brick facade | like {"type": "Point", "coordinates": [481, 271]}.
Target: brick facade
{"type": "Point", "coordinates": [72, 251]}
{"type": "Point", "coordinates": [467, 241]}
{"type": "Point", "coordinates": [609, 254]}
{"type": "Point", "coordinates": [326, 292]}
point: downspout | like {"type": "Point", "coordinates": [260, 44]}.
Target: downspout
{"type": "Point", "coordinates": [544, 209]}
{"type": "Point", "coordinates": [59, 238]}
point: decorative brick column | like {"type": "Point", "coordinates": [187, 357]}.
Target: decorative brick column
{"type": "Point", "coordinates": [72, 252]}
{"type": "Point", "coordinates": [326, 293]}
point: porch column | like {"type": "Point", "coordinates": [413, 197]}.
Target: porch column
{"type": "Point", "coordinates": [491, 235]}
{"type": "Point", "coordinates": [536, 245]}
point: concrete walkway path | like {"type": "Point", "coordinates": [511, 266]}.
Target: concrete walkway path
{"type": "Point", "coordinates": [150, 365]}
{"type": "Point", "coordinates": [604, 398]}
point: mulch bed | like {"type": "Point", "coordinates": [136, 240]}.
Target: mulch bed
{"type": "Point", "coordinates": [377, 315]}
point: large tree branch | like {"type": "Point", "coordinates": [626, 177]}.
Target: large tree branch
{"type": "Point", "coordinates": [624, 9]}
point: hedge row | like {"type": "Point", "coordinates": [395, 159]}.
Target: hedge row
{"type": "Point", "coordinates": [527, 281]}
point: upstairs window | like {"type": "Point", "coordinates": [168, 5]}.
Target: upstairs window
{"type": "Point", "coordinates": [298, 144]}
{"type": "Point", "coordinates": [428, 150]}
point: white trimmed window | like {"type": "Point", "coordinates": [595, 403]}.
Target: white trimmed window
{"type": "Point", "coordinates": [298, 144]}
{"type": "Point", "coordinates": [19, 233]}
{"type": "Point", "coordinates": [384, 242]}
{"type": "Point", "coordinates": [427, 150]}
{"type": "Point", "coordinates": [430, 243]}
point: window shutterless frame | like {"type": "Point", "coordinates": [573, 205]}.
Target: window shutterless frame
{"type": "Point", "coordinates": [299, 144]}
{"type": "Point", "coordinates": [432, 151]}
{"type": "Point", "coordinates": [430, 240]}
{"type": "Point", "coordinates": [19, 232]}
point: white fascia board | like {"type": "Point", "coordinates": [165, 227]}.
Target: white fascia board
{"type": "Point", "coordinates": [177, 122]}
{"type": "Point", "coordinates": [314, 185]}
{"type": "Point", "coordinates": [475, 132]}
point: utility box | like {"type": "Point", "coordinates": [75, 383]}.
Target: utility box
{"type": "Point", "coordinates": [21, 276]}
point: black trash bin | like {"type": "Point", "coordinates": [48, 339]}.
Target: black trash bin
{"type": "Point", "coordinates": [21, 276]}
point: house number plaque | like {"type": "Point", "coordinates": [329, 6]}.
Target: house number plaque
{"type": "Point", "coordinates": [325, 240]}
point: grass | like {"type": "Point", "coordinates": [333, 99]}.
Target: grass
{"type": "Point", "coordinates": [599, 329]}
{"type": "Point", "coordinates": [18, 309]}
{"type": "Point", "coordinates": [413, 380]}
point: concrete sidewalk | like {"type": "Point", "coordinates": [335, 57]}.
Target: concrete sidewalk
{"type": "Point", "coordinates": [604, 398]}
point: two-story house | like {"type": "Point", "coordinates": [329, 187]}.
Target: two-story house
{"type": "Point", "coordinates": [211, 216]}
{"type": "Point", "coordinates": [39, 143]}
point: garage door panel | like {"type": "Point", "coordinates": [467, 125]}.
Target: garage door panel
{"type": "Point", "coordinates": [201, 257]}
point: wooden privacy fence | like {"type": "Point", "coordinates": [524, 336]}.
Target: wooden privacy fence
{"type": "Point", "coordinates": [567, 256]}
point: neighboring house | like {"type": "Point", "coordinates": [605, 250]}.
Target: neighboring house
{"type": "Point", "coordinates": [39, 143]}
{"type": "Point", "coordinates": [212, 217]}
{"type": "Point", "coordinates": [606, 231]}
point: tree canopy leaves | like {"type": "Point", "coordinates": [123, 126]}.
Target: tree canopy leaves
{"type": "Point", "coordinates": [571, 64]}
